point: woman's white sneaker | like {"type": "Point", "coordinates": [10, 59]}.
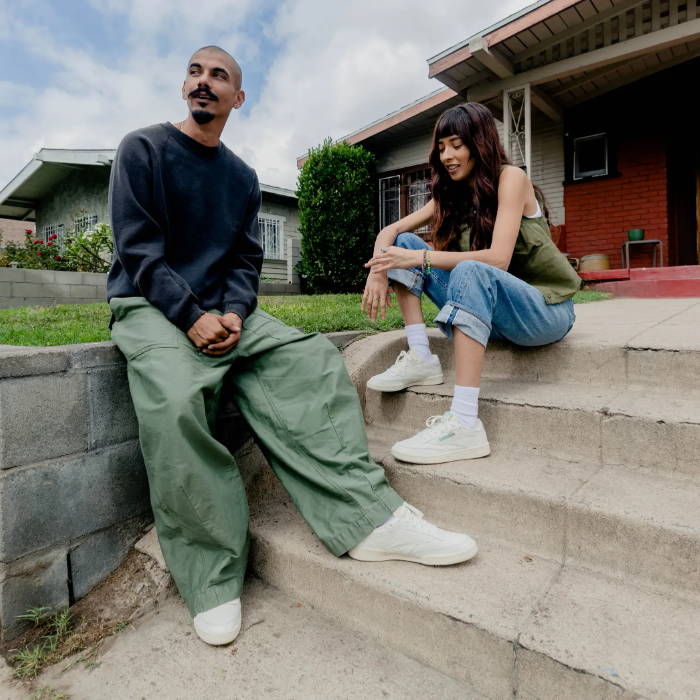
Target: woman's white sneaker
{"type": "Point", "coordinates": [219, 625]}
{"type": "Point", "coordinates": [408, 370]}
{"type": "Point", "coordinates": [408, 537]}
{"type": "Point", "coordinates": [444, 439]}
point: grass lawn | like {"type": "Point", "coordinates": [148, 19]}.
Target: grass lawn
{"type": "Point", "coordinates": [86, 323]}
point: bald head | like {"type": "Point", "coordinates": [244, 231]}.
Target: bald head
{"type": "Point", "coordinates": [231, 64]}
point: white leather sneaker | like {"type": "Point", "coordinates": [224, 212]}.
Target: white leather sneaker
{"type": "Point", "coordinates": [408, 537]}
{"type": "Point", "coordinates": [219, 625]}
{"type": "Point", "coordinates": [444, 439]}
{"type": "Point", "coordinates": [408, 370]}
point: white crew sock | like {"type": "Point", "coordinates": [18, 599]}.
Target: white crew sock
{"type": "Point", "coordinates": [465, 405]}
{"type": "Point", "coordinates": [417, 337]}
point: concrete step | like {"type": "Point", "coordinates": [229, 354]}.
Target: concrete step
{"type": "Point", "coordinates": [628, 523]}
{"type": "Point", "coordinates": [576, 422]}
{"type": "Point", "coordinates": [507, 624]}
{"type": "Point", "coordinates": [286, 650]}
{"type": "Point", "coordinates": [618, 343]}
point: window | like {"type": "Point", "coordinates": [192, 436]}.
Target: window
{"type": "Point", "coordinates": [85, 223]}
{"type": "Point", "coordinates": [52, 229]}
{"type": "Point", "coordinates": [272, 235]}
{"type": "Point", "coordinates": [418, 193]}
{"type": "Point", "coordinates": [403, 194]}
{"type": "Point", "coordinates": [389, 200]}
{"type": "Point", "coordinates": [590, 156]}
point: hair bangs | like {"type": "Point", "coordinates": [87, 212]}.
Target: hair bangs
{"type": "Point", "coordinates": [452, 122]}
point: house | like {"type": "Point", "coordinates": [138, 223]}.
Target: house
{"type": "Point", "coordinates": [65, 190]}
{"type": "Point", "coordinates": [595, 103]}
{"type": "Point", "coordinates": [13, 231]}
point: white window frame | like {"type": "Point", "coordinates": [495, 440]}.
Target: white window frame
{"type": "Point", "coordinates": [591, 173]}
{"type": "Point", "coordinates": [50, 229]}
{"type": "Point", "coordinates": [265, 223]}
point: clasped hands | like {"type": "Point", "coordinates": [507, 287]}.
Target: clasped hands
{"type": "Point", "coordinates": [216, 335]}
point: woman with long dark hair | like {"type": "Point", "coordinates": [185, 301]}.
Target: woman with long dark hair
{"type": "Point", "coordinates": [493, 272]}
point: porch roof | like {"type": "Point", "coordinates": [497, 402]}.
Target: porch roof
{"type": "Point", "coordinates": [21, 196]}
{"type": "Point", "coordinates": [570, 51]}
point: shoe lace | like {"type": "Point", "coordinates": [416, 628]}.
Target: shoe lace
{"type": "Point", "coordinates": [401, 363]}
{"type": "Point", "coordinates": [416, 518]}
{"type": "Point", "coordinates": [439, 425]}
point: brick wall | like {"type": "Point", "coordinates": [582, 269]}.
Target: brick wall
{"type": "Point", "coordinates": [599, 213]}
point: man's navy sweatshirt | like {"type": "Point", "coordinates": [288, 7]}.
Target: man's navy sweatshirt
{"type": "Point", "coordinates": [185, 222]}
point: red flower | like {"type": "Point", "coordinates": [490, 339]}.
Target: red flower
{"type": "Point", "coordinates": [53, 236]}
{"type": "Point", "coordinates": [37, 241]}
{"type": "Point", "coordinates": [57, 257]}
{"type": "Point", "coordinates": [28, 230]}
{"type": "Point", "coordinates": [50, 243]}
{"type": "Point", "coordinates": [39, 252]}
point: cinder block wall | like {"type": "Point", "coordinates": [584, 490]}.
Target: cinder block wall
{"type": "Point", "coordinates": [73, 489]}
{"type": "Point", "coordinates": [49, 287]}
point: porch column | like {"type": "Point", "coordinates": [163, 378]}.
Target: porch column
{"type": "Point", "coordinates": [517, 123]}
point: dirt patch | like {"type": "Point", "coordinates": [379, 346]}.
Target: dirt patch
{"type": "Point", "coordinates": [136, 587]}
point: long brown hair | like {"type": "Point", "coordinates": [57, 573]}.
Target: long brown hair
{"type": "Point", "coordinates": [471, 203]}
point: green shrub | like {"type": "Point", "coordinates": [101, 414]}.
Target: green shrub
{"type": "Point", "coordinates": [336, 196]}
{"type": "Point", "coordinates": [35, 254]}
{"type": "Point", "coordinates": [90, 251]}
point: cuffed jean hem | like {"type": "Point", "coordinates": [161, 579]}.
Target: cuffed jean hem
{"type": "Point", "coordinates": [411, 279]}
{"type": "Point", "coordinates": [211, 597]}
{"type": "Point", "coordinates": [453, 314]}
{"type": "Point", "coordinates": [350, 535]}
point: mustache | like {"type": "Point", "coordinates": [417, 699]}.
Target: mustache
{"type": "Point", "coordinates": [202, 92]}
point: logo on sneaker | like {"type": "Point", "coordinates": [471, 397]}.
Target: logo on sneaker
{"type": "Point", "coordinates": [446, 437]}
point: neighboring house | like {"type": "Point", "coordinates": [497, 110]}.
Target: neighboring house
{"type": "Point", "coordinates": [12, 231]}
{"type": "Point", "coordinates": [594, 99]}
{"type": "Point", "coordinates": [65, 190]}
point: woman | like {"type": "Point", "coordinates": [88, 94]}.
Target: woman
{"type": "Point", "coordinates": [494, 273]}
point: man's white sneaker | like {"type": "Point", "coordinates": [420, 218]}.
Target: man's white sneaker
{"type": "Point", "coordinates": [219, 625]}
{"type": "Point", "coordinates": [408, 370]}
{"type": "Point", "coordinates": [408, 537]}
{"type": "Point", "coordinates": [444, 439]}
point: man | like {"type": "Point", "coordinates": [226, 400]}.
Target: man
{"type": "Point", "coordinates": [182, 290]}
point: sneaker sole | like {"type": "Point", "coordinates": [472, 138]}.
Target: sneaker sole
{"type": "Point", "coordinates": [219, 638]}
{"type": "Point", "coordinates": [398, 386]}
{"type": "Point", "coordinates": [454, 456]}
{"type": "Point", "coordinates": [428, 560]}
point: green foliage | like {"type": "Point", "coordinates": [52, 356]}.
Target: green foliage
{"type": "Point", "coordinates": [84, 251]}
{"type": "Point", "coordinates": [58, 624]}
{"type": "Point", "coordinates": [90, 251]}
{"type": "Point", "coordinates": [34, 254]}
{"type": "Point", "coordinates": [336, 195]}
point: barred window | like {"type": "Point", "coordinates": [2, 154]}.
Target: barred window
{"type": "Point", "coordinates": [85, 223]}
{"type": "Point", "coordinates": [272, 235]}
{"type": "Point", "coordinates": [51, 229]}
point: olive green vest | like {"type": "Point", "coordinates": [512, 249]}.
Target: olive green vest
{"type": "Point", "coordinates": [537, 261]}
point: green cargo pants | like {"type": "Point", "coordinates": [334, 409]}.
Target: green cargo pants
{"type": "Point", "coordinates": [295, 394]}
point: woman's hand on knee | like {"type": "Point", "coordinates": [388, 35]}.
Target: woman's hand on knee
{"type": "Point", "coordinates": [376, 296]}
{"type": "Point", "coordinates": [395, 258]}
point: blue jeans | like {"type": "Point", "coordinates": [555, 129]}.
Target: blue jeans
{"type": "Point", "coordinates": [485, 302]}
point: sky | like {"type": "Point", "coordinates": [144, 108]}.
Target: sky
{"type": "Point", "coordinates": [82, 73]}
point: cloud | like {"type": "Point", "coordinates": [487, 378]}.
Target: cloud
{"type": "Point", "coordinates": [330, 69]}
